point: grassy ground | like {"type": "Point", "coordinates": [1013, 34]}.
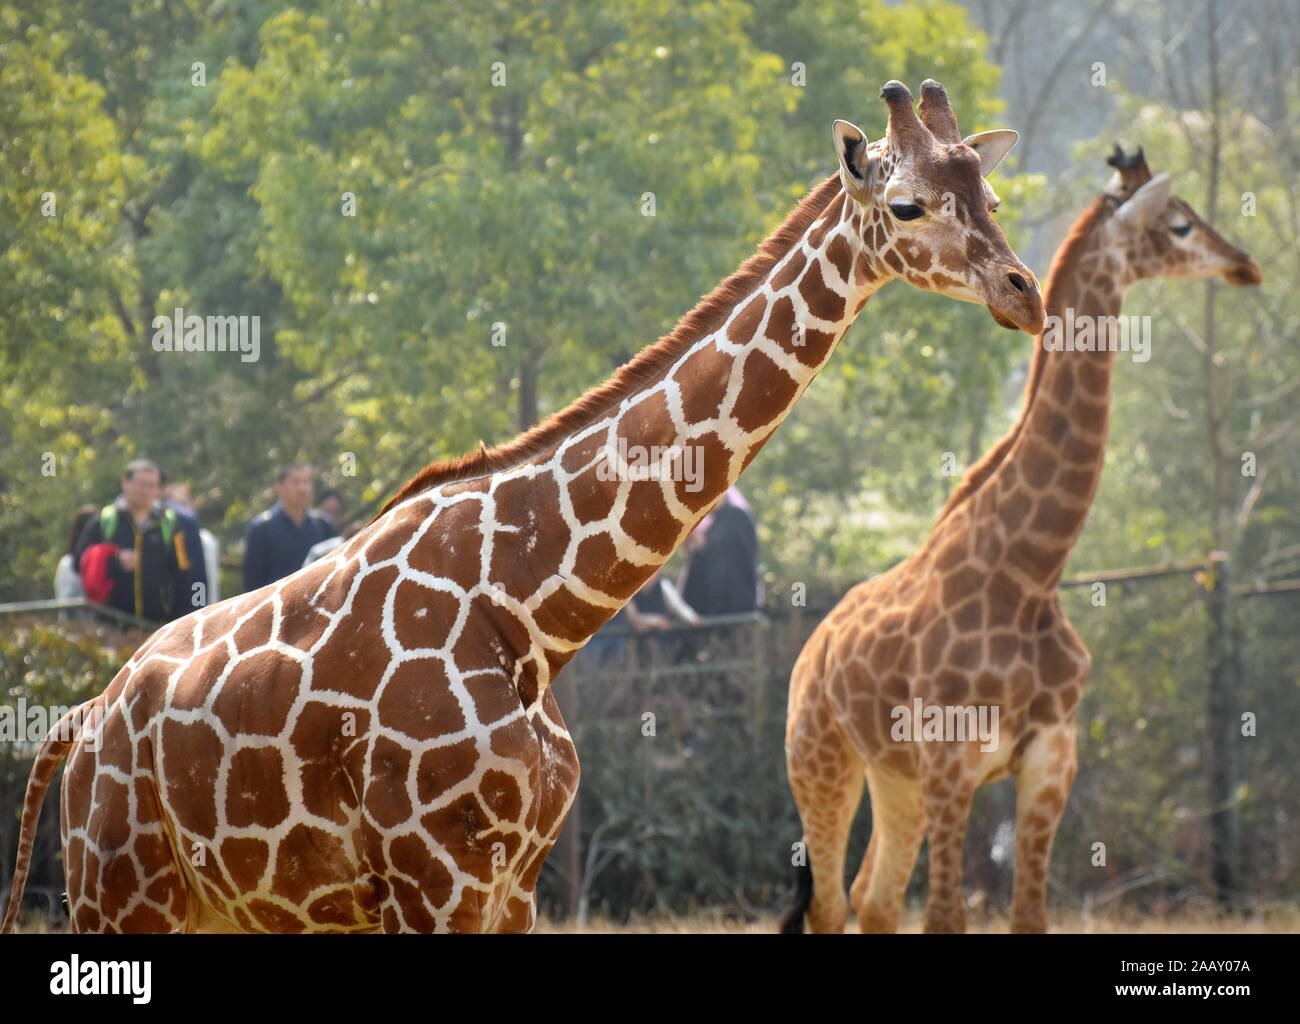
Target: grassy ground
{"type": "Point", "coordinates": [1210, 922]}
{"type": "Point", "coordinates": [1198, 922]}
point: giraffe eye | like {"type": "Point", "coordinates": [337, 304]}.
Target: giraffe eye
{"type": "Point", "coordinates": [906, 211]}
{"type": "Point", "coordinates": [1181, 230]}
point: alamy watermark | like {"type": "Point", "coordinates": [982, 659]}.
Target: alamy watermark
{"type": "Point", "coordinates": [1083, 333]}
{"type": "Point", "coordinates": [26, 726]}
{"type": "Point", "coordinates": [182, 332]}
{"type": "Point", "coordinates": [945, 723]}
{"type": "Point", "coordinates": [678, 463]}
{"type": "Point", "coordinates": [77, 977]}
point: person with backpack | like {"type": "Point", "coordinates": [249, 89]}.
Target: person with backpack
{"type": "Point", "coordinates": [134, 554]}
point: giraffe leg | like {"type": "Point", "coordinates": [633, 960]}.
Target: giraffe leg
{"type": "Point", "coordinates": [409, 909]}
{"type": "Point", "coordinates": [520, 914]}
{"type": "Point", "coordinates": [205, 921]}
{"type": "Point", "coordinates": [135, 887]}
{"type": "Point", "coordinates": [947, 809]}
{"type": "Point", "coordinates": [826, 776]}
{"type": "Point", "coordinates": [897, 828]}
{"type": "Point", "coordinates": [1043, 783]}
{"type": "Point", "coordinates": [121, 871]}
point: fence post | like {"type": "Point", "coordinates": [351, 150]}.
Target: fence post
{"type": "Point", "coordinates": [1222, 730]}
{"type": "Point", "coordinates": [759, 674]}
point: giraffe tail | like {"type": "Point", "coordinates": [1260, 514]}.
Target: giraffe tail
{"type": "Point", "coordinates": [53, 750]}
{"type": "Point", "coordinates": [792, 919]}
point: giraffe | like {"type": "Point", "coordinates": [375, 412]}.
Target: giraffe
{"type": "Point", "coordinates": [373, 743]}
{"type": "Point", "coordinates": [973, 618]}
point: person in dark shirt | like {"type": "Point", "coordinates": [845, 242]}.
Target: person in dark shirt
{"type": "Point", "coordinates": [140, 550]}
{"type": "Point", "coordinates": [277, 541]}
{"type": "Point", "coordinates": [721, 575]}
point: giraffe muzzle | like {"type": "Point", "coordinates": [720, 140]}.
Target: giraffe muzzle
{"type": "Point", "coordinates": [1015, 302]}
{"type": "Point", "coordinates": [1244, 274]}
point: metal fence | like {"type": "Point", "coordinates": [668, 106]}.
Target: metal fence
{"type": "Point", "coordinates": [67, 609]}
{"type": "Point", "coordinates": [682, 804]}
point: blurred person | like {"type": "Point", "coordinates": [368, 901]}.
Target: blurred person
{"type": "Point", "coordinates": [653, 609]}
{"type": "Point", "coordinates": [180, 497]}
{"type": "Point", "coordinates": [658, 605]}
{"type": "Point", "coordinates": [134, 555]}
{"type": "Point", "coordinates": [323, 548]}
{"type": "Point", "coordinates": [277, 541]}
{"type": "Point", "coordinates": [67, 581]}
{"type": "Point", "coordinates": [721, 573]}
{"type": "Point", "coordinates": [200, 544]}
{"type": "Point", "coordinates": [330, 505]}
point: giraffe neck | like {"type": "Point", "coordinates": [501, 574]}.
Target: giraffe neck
{"type": "Point", "coordinates": [1045, 485]}
{"type": "Point", "coordinates": [576, 529]}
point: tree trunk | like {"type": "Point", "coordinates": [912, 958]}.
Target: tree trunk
{"type": "Point", "coordinates": [1221, 729]}
{"type": "Point", "coordinates": [1221, 686]}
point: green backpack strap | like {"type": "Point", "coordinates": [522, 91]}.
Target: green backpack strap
{"type": "Point", "coordinates": [108, 521]}
{"type": "Point", "coordinates": [168, 526]}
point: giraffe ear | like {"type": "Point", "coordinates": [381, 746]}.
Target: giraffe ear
{"type": "Point", "coordinates": [1148, 201]}
{"type": "Point", "coordinates": [855, 166]}
{"type": "Point", "coordinates": [991, 147]}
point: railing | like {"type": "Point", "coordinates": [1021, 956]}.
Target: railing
{"type": "Point", "coordinates": [654, 714]}
{"type": "Point", "coordinates": [624, 667]}
{"type": "Point", "coordinates": [67, 604]}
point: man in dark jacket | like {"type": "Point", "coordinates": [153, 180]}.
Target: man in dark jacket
{"type": "Point", "coordinates": [276, 542]}
{"type": "Point", "coordinates": [144, 555]}
{"type": "Point", "coordinates": [722, 570]}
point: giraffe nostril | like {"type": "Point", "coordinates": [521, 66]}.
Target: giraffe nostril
{"type": "Point", "coordinates": [1019, 284]}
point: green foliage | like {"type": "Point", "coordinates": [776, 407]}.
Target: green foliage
{"type": "Point", "coordinates": [49, 665]}
{"type": "Point", "coordinates": [63, 663]}
{"type": "Point", "coordinates": [499, 161]}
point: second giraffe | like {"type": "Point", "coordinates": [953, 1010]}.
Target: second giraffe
{"type": "Point", "coordinates": [973, 619]}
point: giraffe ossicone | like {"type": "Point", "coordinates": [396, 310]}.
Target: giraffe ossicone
{"type": "Point", "coordinates": [373, 743]}
{"type": "Point", "coordinates": [972, 621]}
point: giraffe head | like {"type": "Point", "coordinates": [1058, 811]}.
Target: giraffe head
{"type": "Point", "coordinates": [1161, 235]}
{"type": "Point", "coordinates": [926, 206]}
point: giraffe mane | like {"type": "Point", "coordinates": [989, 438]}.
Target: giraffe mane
{"type": "Point", "coordinates": [647, 365]}
{"type": "Point", "coordinates": [1063, 264]}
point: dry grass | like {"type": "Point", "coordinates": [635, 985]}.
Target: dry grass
{"type": "Point", "coordinates": [1281, 919]}
{"type": "Point", "coordinates": [1285, 919]}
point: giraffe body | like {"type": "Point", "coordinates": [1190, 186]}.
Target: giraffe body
{"type": "Point", "coordinates": [372, 743]}
{"type": "Point", "coordinates": [270, 795]}
{"type": "Point", "coordinates": [973, 619]}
